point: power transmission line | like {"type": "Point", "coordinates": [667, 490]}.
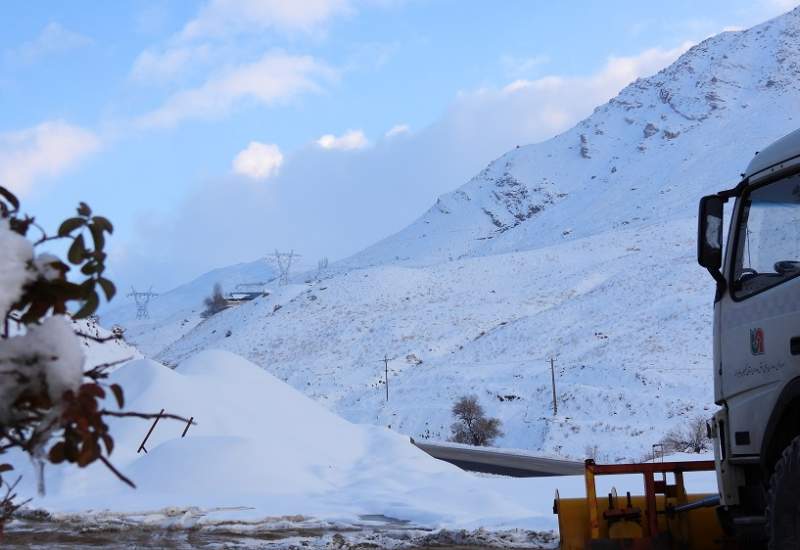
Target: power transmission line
{"type": "Point", "coordinates": [142, 300]}
{"type": "Point", "coordinates": [284, 262]}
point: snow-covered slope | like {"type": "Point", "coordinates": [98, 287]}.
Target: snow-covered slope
{"type": "Point", "coordinates": [177, 311]}
{"type": "Point", "coordinates": [580, 247]}
{"type": "Point", "coordinates": [646, 156]}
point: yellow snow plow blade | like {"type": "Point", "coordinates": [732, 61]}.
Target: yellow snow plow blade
{"type": "Point", "coordinates": [664, 517]}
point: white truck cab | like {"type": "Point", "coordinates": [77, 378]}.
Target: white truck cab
{"type": "Point", "coordinates": [757, 345]}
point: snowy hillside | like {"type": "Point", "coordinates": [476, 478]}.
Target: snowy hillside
{"type": "Point", "coordinates": [580, 247]}
{"type": "Point", "coordinates": [173, 313]}
{"type": "Point", "coordinates": [646, 156]}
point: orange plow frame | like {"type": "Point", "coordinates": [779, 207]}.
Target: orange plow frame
{"type": "Point", "coordinates": [640, 522]}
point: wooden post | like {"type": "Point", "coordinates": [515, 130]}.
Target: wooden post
{"type": "Point", "coordinates": [553, 385]}
{"type": "Point", "coordinates": [141, 447]}
{"type": "Point", "coordinates": [186, 429]}
{"type": "Point", "coordinates": [386, 365]}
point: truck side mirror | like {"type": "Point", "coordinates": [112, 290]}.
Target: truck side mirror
{"type": "Point", "coordinates": [709, 233]}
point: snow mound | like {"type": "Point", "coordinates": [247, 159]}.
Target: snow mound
{"type": "Point", "coordinates": [262, 450]}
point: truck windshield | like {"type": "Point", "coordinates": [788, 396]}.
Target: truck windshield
{"type": "Point", "coordinates": [768, 237]}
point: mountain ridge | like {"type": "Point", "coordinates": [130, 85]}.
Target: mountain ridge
{"type": "Point", "coordinates": [580, 247]}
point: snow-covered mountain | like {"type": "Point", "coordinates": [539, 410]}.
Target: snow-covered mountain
{"type": "Point", "coordinates": [581, 247]}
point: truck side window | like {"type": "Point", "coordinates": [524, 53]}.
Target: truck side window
{"type": "Point", "coordinates": [768, 237]}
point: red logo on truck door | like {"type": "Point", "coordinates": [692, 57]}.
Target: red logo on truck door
{"type": "Point", "coordinates": [757, 341]}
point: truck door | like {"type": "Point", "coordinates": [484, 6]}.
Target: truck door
{"type": "Point", "coordinates": [759, 330]}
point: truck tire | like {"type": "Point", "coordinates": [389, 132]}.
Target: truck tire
{"type": "Point", "coordinates": [783, 501]}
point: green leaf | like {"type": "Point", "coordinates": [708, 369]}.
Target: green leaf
{"type": "Point", "coordinates": [77, 250]}
{"type": "Point", "coordinates": [97, 236]}
{"type": "Point", "coordinates": [116, 389]}
{"type": "Point", "coordinates": [108, 288]}
{"type": "Point", "coordinates": [10, 197]}
{"type": "Point", "coordinates": [69, 225]}
{"type": "Point", "coordinates": [84, 210]}
{"type": "Point", "coordinates": [5, 467]}
{"type": "Point", "coordinates": [89, 268]}
{"type": "Point", "coordinates": [103, 224]}
{"type": "Point", "coordinates": [89, 307]}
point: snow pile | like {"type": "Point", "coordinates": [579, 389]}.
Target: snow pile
{"type": "Point", "coordinates": [267, 450]}
{"type": "Point", "coordinates": [265, 458]}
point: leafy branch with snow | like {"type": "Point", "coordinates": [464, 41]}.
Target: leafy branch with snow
{"type": "Point", "coordinates": [50, 404]}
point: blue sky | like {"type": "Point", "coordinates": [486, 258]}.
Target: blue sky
{"type": "Point", "coordinates": [215, 131]}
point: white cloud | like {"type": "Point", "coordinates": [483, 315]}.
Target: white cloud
{"type": "Point", "coordinates": [273, 78]}
{"type": "Point", "coordinates": [398, 129]}
{"type": "Point", "coordinates": [350, 140]}
{"type": "Point", "coordinates": [224, 17]}
{"type": "Point", "coordinates": [258, 161]}
{"type": "Point", "coordinates": [46, 150]}
{"type": "Point", "coordinates": [166, 65]}
{"type": "Point", "coordinates": [560, 101]}
{"type": "Point", "coordinates": [222, 29]}
{"type": "Point", "coordinates": [781, 6]}
{"type": "Point", "coordinates": [521, 66]}
{"type": "Point", "coordinates": [53, 39]}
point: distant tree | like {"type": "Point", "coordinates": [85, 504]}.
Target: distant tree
{"type": "Point", "coordinates": [472, 426]}
{"type": "Point", "coordinates": [690, 437]}
{"type": "Point", "coordinates": [215, 303]}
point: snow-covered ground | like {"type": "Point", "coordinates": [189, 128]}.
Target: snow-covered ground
{"type": "Point", "coordinates": [265, 458]}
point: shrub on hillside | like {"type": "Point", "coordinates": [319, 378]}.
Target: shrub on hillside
{"type": "Point", "coordinates": [472, 427]}
{"type": "Point", "coordinates": [215, 303]}
{"type": "Point", "coordinates": [690, 437]}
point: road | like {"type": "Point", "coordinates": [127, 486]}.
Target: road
{"type": "Point", "coordinates": [499, 461]}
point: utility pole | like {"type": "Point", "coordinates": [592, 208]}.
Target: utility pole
{"type": "Point", "coordinates": [386, 365]}
{"type": "Point", "coordinates": [553, 379]}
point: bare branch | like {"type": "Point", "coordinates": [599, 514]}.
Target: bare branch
{"type": "Point", "coordinates": [98, 371]}
{"type": "Point", "coordinates": [98, 339]}
{"type": "Point", "coordinates": [116, 472]}
{"type": "Point", "coordinates": [147, 416]}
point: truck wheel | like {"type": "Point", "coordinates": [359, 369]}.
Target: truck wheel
{"type": "Point", "coordinates": [783, 508]}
